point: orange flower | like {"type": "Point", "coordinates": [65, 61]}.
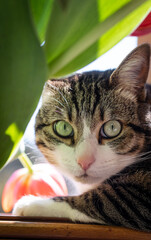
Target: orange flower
{"type": "Point", "coordinates": [39, 180]}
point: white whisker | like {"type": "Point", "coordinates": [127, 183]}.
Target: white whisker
{"type": "Point", "coordinates": [54, 87]}
{"type": "Point", "coordinates": [59, 108]}
{"type": "Point", "coordinates": [59, 102]}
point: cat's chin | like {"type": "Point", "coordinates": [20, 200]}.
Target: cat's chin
{"type": "Point", "coordinates": [86, 179]}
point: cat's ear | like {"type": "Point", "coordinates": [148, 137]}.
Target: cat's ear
{"type": "Point", "coordinates": [133, 71]}
{"type": "Point", "coordinates": [53, 86]}
{"type": "Point", "coordinates": [48, 90]}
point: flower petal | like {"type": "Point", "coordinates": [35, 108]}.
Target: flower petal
{"type": "Point", "coordinates": [8, 196]}
{"type": "Point", "coordinates": [44, 181]}
{"type": "Point", "coordinates": [21, 187]}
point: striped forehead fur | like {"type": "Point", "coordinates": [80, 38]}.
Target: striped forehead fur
{"type": "Point", "coordinates": [84, 96]}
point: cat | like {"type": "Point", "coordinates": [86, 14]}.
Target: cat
{"type": "Point", "coordinates": [96, 128]}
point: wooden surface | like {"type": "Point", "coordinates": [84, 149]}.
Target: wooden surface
{"type": "Point", "coordinates": [54, 228]}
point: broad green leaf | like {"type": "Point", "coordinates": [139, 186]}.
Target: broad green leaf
{"type": "Point", "coordinates": [41, 11]}
{"type": "Point", "coordinates": [15, 135]}
{"type": "Point", "coordinates": [86, 29]}
{"type": "Point", "coordinates": [22, 75]}
{"type": "Point", "coordinates": [70, 23]}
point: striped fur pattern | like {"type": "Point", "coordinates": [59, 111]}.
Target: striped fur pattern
{"type": "Point", "coordinates": [117, 168]}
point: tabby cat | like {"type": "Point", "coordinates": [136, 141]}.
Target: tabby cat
{"type": "Point", "coordinates": [96, 128]}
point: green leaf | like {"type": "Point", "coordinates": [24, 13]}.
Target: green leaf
{"type": "Point", "coordinates": [15, 135]}
{"type": "Point", "coordinates": [41, 11]}
{"type": "Point", "coordinates": [86, 29]}
{"type": "Point", "coordinates": [22, 75]}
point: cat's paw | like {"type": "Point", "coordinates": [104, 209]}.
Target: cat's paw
{"type": "Point", "coordinates": [49, 207]}
{"type": "Point", "coordinates": [29, 206]}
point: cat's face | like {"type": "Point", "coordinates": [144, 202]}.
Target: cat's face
{"type": "Point", "coordinates": [90, 125]}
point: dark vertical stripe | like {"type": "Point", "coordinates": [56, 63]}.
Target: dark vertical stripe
{"type": "Point", "coordinates": [144, 200]}
{"type": "Point", "coordinates": [102, 113]}
{"type": "Point", "coordinates": [70, 114]}
{"type": "Point", "coordinates": [141, 190]}
{"type": "Point", "coordinates": [121, 210]}
{"type": "Point", "coordinates": [89, 96]}
{"type": "Point", "coordinates": [130, 204]}
{"type": "Point", "coordinates": [82, 90]}
{"type": "Point", "coordinates": [74, 97]}
{"type": "Point", "coordinates": [97, 98]}
{"type": "Point", "coordinates": [146, 220]}
{"type": "Point", "coordinates": [98, 204]}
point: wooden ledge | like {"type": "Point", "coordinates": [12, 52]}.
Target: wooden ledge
{"type": "Point", "coordinates": [12, 227]}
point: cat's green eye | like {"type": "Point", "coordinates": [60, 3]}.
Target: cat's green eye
{"type": "Point", "coordinates": [63, 129]}
{"type": "Point", "coordinates": [111, 129]}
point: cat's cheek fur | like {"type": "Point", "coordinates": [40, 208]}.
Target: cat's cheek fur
{"type": "Point", "coordinates": [37, 206]}
{"type": "Point", "coordinates": [106, 164]}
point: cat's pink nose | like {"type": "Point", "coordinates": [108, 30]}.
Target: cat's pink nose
{"type": "Point", "coordinates": [85, 161]}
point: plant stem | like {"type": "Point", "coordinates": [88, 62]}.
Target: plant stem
{"type": "Point", "coordinates": [26, 162]}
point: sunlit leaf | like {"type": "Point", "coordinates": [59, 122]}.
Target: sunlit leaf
{"type": "Point", "coordinates": [15, 135]}
{"type": "Point", "coordinates": [22, 74]}
{"type": "Point", "coordinates": [86, 34]}
{"type": "Point", "coordinates": [41, 11]}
